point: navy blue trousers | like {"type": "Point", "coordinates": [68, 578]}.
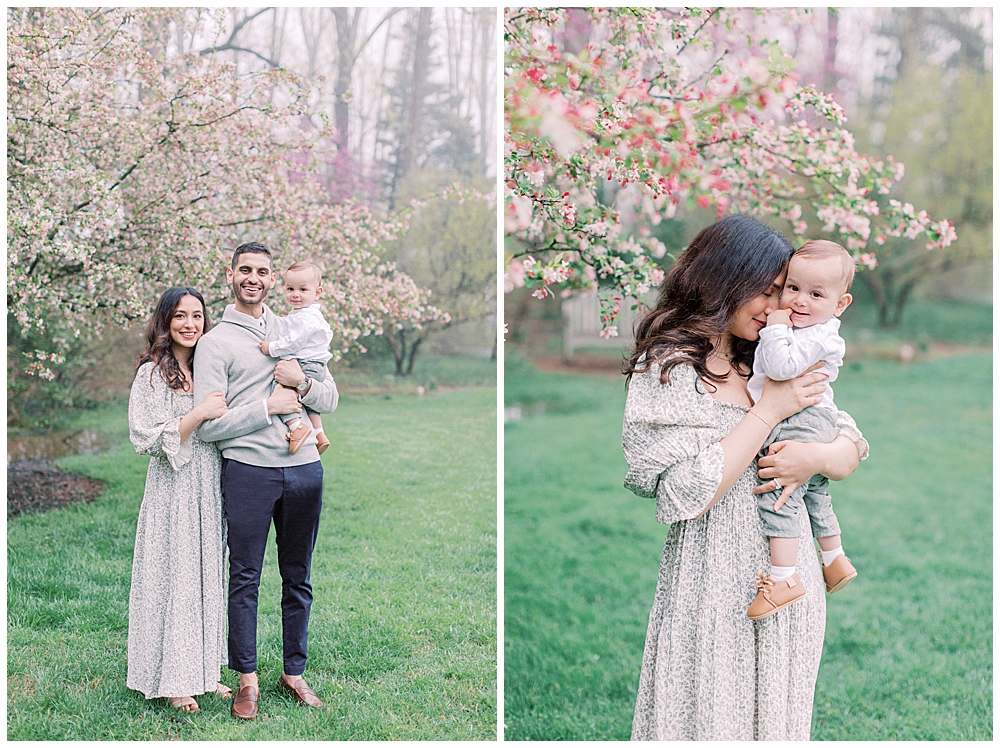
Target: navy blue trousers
{"type": "Point", "coordinates": [253, 497]}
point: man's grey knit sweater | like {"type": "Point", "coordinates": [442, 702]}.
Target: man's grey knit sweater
{"type": "Point", "coordinates": [227, 360]}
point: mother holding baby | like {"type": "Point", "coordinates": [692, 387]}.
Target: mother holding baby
{"type": "Point", "coordinates": [691, 435]}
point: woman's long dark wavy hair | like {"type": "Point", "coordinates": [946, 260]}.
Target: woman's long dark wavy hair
{"type": "Point", "coordinates": [725, 266]}
{"type": "Point", "coordinates": [159, 346]}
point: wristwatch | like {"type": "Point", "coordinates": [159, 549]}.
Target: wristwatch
{"type": "Point", "coordinates": [302, 386]}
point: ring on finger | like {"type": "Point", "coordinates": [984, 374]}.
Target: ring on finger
{"type": "Point", "coordinates": [777, 486]}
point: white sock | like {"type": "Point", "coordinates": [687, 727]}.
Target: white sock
{"type": "Point", "coordinates": [779, 573]}
{"type": "Point", "coordinates": [828, 556]}
{"type": "Point", "coordinates": [292, 425]}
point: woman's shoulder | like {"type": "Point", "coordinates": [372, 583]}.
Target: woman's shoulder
{"type": "Point", "coordinates": [681, 374]}
{"type": "Point", "coordinates": [679, 397]}
{"type": "Point", "coordinates": [146, 370]}
{"type": "Point", "coordinates": [149, 372]}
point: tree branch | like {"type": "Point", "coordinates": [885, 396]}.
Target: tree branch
{"type": "Point", "coordinates": [233, 48]}
{"type": "Point", "coordinates": [388, 15]}
{"type": "Point", "coordinates": [229, 46]}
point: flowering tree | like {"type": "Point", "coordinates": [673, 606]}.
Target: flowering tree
{"type": "Point", "coordinates": [131, 168]}
{"type": "Point", "coordinates": [617, 118]}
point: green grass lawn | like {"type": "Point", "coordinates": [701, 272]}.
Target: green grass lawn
{"type": "Point", "coordinates": [908, 651]}
{"type": "Point", "coordinates": [429, 371]}
{"type": "Point", "coordinates": [403, 627]}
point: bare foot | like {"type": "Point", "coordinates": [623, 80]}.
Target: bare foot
{"type": "Point", "coordinates": [223, 690]}
{"type": "Point", "coordinates": [184, 703]}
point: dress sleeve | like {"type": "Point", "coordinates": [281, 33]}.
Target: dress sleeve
{"type": "Point", "coordinates": [850, 429]}
{"type": "Point", "coordinates": [153, 428]}
{"type": "Point", "coordinates": [671, 443]}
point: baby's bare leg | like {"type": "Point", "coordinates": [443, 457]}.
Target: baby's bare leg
{"type": "Point", "coordinates": [784, 551]}
{"type": "Point", "coordinates": [830, 543]}
{"type": "Point", "coordinates": [316, 421]}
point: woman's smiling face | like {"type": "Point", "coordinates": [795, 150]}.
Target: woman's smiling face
{"type": "Point", "coordinates": [187, 323]}
{"type": "Point", "coordinates": [750, 318]}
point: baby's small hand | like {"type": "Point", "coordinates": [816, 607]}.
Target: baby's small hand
{"type": "Point", "coordinates": [780, 317]}
{"type": "Point", "coordinates": [264, 348]}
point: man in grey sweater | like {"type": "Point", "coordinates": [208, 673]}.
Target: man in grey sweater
{"type": "Point", "coordinates": [261, 481]}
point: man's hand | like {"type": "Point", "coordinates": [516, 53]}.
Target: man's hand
{"type": "Point", "coordinates": [780, 317]}
{"type": "Point", "coordinates": [283, 401]}
{"type": "Point", "coordinates": [265, 348]}
{"type": "Point", "coordinates": [288, 373]}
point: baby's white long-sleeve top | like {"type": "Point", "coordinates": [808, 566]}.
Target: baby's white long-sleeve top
{"type": "Point", "coordinates": [785, 352]}
{"type": "Point", "coordinates": [303, 334]}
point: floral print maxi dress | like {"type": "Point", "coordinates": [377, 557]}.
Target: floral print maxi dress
{"type": "Point", "coordinates": [176, 617]}
{"type": "Point", "coordinates": [709, 672]}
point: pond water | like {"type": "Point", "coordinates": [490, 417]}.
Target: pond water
{"type": "Point", "coordinates": [51, 446]}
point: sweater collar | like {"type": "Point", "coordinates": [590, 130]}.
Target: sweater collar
{"type": "Point", "coordinates": [240, 319]}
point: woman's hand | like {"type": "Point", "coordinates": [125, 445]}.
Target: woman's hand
{"type": "Point", "coordinates": [780, 400]}
{"type": "Point", "coordinates": [213, 406]}
{"type": "Point", "coordinates": [794, 463]}
{"type": "Point", "coordinates": [786, 464]}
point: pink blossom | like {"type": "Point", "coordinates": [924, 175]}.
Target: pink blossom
{"type": "Point", "coordinates": [518, 214]}
{"type": "Point", "coordinates": [868, 260]}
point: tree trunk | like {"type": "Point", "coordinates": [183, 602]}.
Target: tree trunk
{"type": "Point", "coordinates": [349, 48]}
{"type": "Point", "coordinates": [413, 354]}
{"type": "Point", "coordinates": [880, 292]}
{"type": "Point", "coordinates": [404, 352]}
{"type": "Point", "coordinates": [413, 114]}
{"type": "Point", "coordinates": [830, 62]}
{"type": "Point", "coordinates": [909, 41]}
{"type": "Point", "coordinates": [485, 95]}
{"type": "Point", "coordinates": [346, 58]}
{"type": "Point", "coordinates": [899, 304]}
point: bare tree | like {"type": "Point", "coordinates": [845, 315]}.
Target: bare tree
{"type": "Point", "coordinates": [414, 107]}
{"type": "Point", "coordinates": [350, 44]}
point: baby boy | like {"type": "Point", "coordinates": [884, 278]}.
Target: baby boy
{"type": "Point", "coordinates": [306, 336]}
{"type": "Point", "coordinates": [799, 334]}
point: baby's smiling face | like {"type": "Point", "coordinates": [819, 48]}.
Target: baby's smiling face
{"type": "Point", "coordinates": [301, 288]}
{"type": "Point", "coordinates": [814, 290]}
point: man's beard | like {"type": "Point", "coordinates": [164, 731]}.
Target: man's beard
{"type": "Point", "coordinates": [238, 291]}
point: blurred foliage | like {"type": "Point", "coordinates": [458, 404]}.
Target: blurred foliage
{"type": "Point", "coordinates": [450, 248]}
{"type": "Point", "coordinates": [937, 118]}
{"type": "Point", "coordinates": [93, 371]}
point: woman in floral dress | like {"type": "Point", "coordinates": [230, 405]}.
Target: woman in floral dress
{"type": "Point", "coordinates": [176, 623]}
{"type": "Point", "coordinates": [691, 435]}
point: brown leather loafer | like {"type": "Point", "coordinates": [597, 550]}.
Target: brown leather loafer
{"type": "Point", "coordinates": [245, 704]}
{"type": "Point", "coordinates": [301, 693]}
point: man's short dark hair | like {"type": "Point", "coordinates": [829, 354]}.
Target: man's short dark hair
{"type": "Point", "coordinates": [254, 248]}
